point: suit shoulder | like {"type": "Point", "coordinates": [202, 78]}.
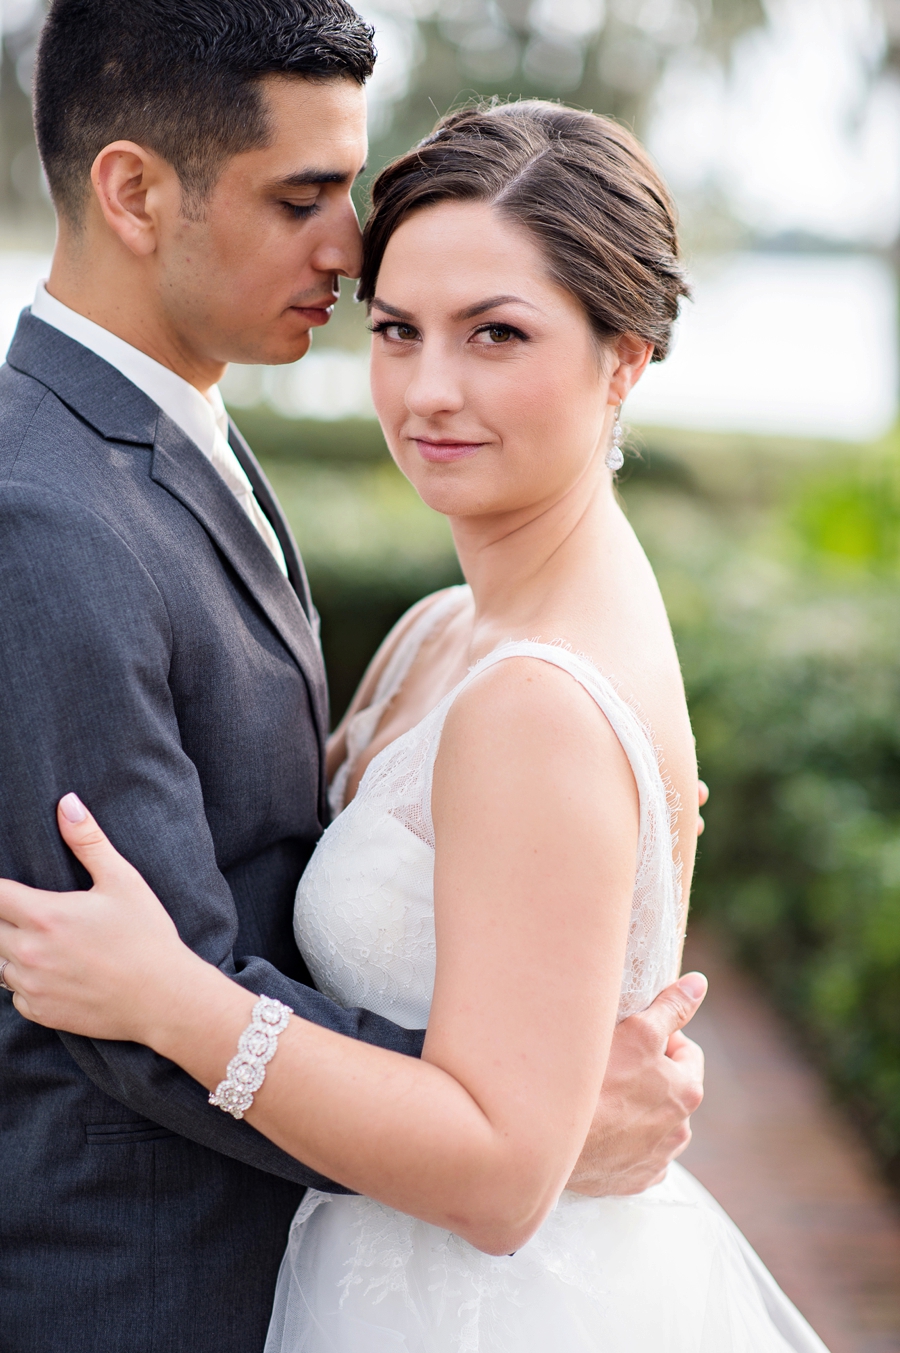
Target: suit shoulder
{"type": "Point", "coordinates": [47, 536]}
{"type": "Point", "coordinates": [20, 398]}
{"type": "Point", "coordinates": [31, 510]}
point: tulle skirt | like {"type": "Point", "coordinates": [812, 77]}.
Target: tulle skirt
{"type": "Point", "coordinates": [665, 1271]}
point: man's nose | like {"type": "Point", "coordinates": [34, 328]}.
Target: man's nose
{"type": "Point", "coordinates": [340, 249]}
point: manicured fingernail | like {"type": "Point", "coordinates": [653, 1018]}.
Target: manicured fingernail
{"type": "Point", "coordinates": [694, 985]}
{"type": "Point", "coordinates": [72, 809]}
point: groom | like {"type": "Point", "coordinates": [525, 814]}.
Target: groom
{"type": "Point", "coordinates": [158, 652]}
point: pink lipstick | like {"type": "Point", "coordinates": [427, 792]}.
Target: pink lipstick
{"type": "Point", "coordinates": [444, 453]}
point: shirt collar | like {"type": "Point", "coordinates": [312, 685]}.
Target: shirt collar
{"type": "Point", "coordinates": [197, 416]}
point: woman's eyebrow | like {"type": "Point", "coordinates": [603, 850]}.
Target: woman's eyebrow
{"type": "Point", "coordinates": [378, 304]}
{"type": "Point", "coordinates": [470, 312]}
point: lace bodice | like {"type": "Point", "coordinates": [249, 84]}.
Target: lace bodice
{"type": "Point", "coordinates": [364, 916]}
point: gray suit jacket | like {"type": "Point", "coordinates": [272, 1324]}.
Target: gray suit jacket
{"type": "Point", "coordinates": [153, 659]}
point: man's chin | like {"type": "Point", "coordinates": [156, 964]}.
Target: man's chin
{"type": "Point", "coordinates": [291, 351]}
{"type": "Point", "coordinates": [275, 352]}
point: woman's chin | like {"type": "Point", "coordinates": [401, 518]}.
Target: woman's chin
{"type": "Point", "coordinates": [455, 500]}
{"type": "Point", "coordinates": [455, 489]}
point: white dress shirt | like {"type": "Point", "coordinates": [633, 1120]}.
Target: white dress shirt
{"type": "Point", "coordinates": [200, 417]}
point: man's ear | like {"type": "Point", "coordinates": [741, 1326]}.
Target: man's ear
{"type": "Point", "coordinates": [130, 183]}
{"type": "Point", "coordinates": [632, 354]}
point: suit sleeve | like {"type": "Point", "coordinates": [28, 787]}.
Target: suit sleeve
{"type": "Point", "coordinates": [85, 647]}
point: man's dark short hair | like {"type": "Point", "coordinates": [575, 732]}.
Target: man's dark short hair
{"type": "Point", "coordinates": [181, 77]}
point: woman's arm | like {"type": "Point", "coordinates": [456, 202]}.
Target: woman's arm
{"type": "Point", "coordinates": [536, 821]}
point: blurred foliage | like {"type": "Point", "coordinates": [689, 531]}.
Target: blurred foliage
{"type": "Point", "coordinates": [291, 440]}
{"type": "Point", "coordinates": [25, 212]}
{"type": "Point", "coordinates": [780, 565]}
{"type": "Point", "coordinates": [786, 608]}
{"type": "Point", "coordinates": [605, 57]}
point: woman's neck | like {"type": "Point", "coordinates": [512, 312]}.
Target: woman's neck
{"type": "Point", "coordinates": [517, 562]}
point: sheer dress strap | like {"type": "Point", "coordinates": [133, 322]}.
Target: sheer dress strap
{"type": "Point", "coordinates": [362, 726]}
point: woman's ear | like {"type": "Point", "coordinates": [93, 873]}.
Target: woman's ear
{"type": "Point", "coordinates": [127, 181]}
{"type": "Point", "coordinates": [631, 354]}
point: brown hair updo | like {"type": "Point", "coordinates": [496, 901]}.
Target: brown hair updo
{"type": "Point", "coordinates": [582, 185]}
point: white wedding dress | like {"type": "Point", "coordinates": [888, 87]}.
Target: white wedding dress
{"type": "Point", "coordinates": [662, 1272]}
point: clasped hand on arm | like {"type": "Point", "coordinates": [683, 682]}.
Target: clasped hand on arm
{"type": "Point", "coordinates": [61, 944]}
{"type": "Point", "coordinates": [482, 1134]}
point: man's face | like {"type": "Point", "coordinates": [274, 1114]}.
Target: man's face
{"type": "Point", "coordinates": [248, 281]}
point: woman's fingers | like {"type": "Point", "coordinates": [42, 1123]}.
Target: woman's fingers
{"type": "Point", "coordinates": [89, 844]}
{"type": "Point", "coordinates": [703, 799]}
{"type": "Point", "coordinates": [17, 903]}
{"type": "Point", "coordinates": [83, 961]}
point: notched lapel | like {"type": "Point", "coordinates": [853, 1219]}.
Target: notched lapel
{"type": "Point", "coordinates": [265, 496]}
{"type": "Point", "coordinates": [100, 395]}
{"type": "Point", "coordinates": [181, 468]}
{"type": "Point", "coordinates": [85, 383]}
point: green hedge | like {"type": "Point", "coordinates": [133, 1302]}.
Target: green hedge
{"type": "Point", "coordinates": [786, 610]}
{"type": "Point", "coordinates": [781, 570]}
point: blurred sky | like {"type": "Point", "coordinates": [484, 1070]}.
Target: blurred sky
{"type": "Point", "coordinates": [783, 149]}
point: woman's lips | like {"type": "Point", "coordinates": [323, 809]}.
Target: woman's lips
{"type": "Point", "coordinates": [444, 452]}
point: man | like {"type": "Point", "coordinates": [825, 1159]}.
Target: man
{"type": "Point", "coordinates": [158, 651]}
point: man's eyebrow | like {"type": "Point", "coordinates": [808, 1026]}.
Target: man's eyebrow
{"type": "Point", "coordinates": [306, 178]}
{"type": "Point", "coordinates": [470, 311]}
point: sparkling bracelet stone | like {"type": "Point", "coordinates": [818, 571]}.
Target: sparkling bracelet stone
{"type": "Point", "coordinates": [256, 1047]}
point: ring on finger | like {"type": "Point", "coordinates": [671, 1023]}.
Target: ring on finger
{"type": "Point", "coordinates": [3, 982]}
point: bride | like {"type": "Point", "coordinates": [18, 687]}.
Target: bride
{"type": "Point", "coordinates": [512, 789]}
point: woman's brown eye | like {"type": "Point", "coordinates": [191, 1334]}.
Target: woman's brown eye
{"type": "Point", "coordinates": [405, 331]}
{"type": "Point", "coordinates": [499, 334]}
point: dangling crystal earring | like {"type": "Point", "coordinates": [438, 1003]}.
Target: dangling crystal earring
{"type": "Point", "coordinates": [614, 457]}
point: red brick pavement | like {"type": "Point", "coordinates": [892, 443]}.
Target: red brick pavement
{"type": "Point", "coordinates": [790, 1170]}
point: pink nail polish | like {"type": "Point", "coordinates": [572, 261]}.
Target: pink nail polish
{"type": "Point", "coordinates": [73, 810]}
{"type": "Point", "coordinates": [694, 985]}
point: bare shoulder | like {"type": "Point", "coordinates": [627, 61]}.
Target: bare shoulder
{"type": "Point", "coordinates": [523, 690]}
{"type": "Point", "coordinates": [526, 715]}
{"type": "Point", "coordinates": [533, 799]}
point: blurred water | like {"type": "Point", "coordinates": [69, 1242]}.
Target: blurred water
{"type": "Point", "coordinates": [793, 344]}
{"type": "Point", "coordinates": [787, 344]}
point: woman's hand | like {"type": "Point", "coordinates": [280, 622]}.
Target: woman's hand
{"type": "Point", "coordinates": [703, 799]}
{"type": "Point", "coordinates": [97, 963]}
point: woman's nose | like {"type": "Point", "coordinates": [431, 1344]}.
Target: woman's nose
{"type": "Point", "coordinates": [433, 388]}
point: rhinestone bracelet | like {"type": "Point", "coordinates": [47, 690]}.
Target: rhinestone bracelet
{"type": "Point", "coordinates": [256, 1047]}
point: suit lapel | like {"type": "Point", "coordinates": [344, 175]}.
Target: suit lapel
{"type": "Point", "coordinates": [119, 411]}
{"type": "Point", "coordinates": [181, 468]}
{"type": "Point", "coordinates": [265, 496]}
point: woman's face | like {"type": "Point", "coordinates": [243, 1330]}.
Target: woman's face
{"type": "Point", "coordinates": [486, 376]}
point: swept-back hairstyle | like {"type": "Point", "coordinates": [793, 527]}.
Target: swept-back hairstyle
{"type": "Point", "coordinates": [581, 184]}
{"type": "Point", "coordinates": [181, 77]}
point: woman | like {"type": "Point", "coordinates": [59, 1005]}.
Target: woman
{"type": "Point", "coordinates": [504, 856]}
